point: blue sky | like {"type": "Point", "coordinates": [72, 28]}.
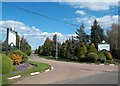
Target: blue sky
{"type": "Point", "coordinates": [36, 28]}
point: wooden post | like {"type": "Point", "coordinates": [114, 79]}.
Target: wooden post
{"type": "Point", "coordinates": [7, 41]}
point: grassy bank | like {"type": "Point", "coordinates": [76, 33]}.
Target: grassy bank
{"type": "Point", "coordinates": [38, 67]}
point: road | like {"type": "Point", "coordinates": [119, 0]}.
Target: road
{"type": "Point", "coordinates": [72, 73]}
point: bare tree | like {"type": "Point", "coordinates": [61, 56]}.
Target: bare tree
{"type": "Point", "coordinates": [113, 36]}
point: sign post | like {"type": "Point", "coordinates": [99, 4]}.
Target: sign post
{"type": "Point", "coordinates": [103, 46]}
{"type": "Point", "coordinates": [11, 38]}
{"type": "Point", "coordinates": [7, 42]}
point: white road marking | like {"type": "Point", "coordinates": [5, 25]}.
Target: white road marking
{"type": "Point", "coordinates": [14, 77]}
{"type": "Point", "coordinates": [35, 73]}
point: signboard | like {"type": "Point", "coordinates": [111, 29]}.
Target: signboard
{"type": "Point", "coordinates": [11, 37]}
{"type": "Point", "coordinates": [103, 47]}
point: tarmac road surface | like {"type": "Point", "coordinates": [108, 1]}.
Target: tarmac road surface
{"type": "Point", "coordinates": [72, 73]}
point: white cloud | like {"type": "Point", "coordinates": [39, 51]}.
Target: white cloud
{"type": "Point", "coordinates": [105, 21]}
{"type": "Point", "coordinates": [33, 35]}
{"type": "Point", "coordinates": [94, 4]}
{"type": "Point", "coordinates": [80, 12]}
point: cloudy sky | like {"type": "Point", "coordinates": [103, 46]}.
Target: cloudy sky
{"type": "Point", "coordinates": [38, 20]}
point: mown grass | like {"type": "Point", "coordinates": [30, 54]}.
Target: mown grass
{"type": "Point", "coordinates": [40, 67]}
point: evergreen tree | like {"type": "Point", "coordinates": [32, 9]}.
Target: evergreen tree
{"type": "Point", "coordinates": [63, 50]}
{"type": "Point", "coordinates": [54, 45]}
{"type": "Point", "coordinates": [82, 52]}
{"type": "Point", "coordinates": [17, 41]}
{"type": "Point", "coordinates": [81, 36]}
{"type": "Point", "coordinates": [47, 47]}
{"type": "Point", "coordinates": [38, 51]}
{"type": "Point", "coordinates": [25, 47]}
{"type": "Point", "coordinates": [92, 48]}
{"type": "Point", "coordinates": [97, 33]}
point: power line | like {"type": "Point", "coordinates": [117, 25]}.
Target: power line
{"type": "Point", "coordinates": [44, 16]}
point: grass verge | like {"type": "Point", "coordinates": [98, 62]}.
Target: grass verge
{"type": "Point", "coordinates": [69, 60]}
{"type": "Point", "coordinates": [40, 67]}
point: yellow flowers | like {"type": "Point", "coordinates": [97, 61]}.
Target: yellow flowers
{"type": "Point", "coordinates": [16, 59]}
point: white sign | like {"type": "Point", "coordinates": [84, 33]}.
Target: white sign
{"type": "Point", "coordinates": [12, 38]}
{"type": "Point", "coordinates": [103, 47]}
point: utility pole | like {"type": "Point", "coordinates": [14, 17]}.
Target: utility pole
{"type": "Point", "coordinates": [19, 43]}
{"type": "Point", "coordinates": [118, 35]}
{"type": "Point", "coordinates": [56, 53]}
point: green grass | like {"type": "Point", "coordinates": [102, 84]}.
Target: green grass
{"type": "Point", "coordinates": [68, 60]}
{"type": "Point", "coordinates": [54, 58]}
{"type": "Point", "coordinates": [4, 81]}
{"type": "Point", "coordinates": [39, 68]}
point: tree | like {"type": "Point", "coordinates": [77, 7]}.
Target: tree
{"type": "Point", "coordinates": [70, 49]}
{"type": "Point", "coordinates": [92, 48]}
{"type": "Point", "coordinates": [81, 36]}
{"type": "Point", "coordinates": [97, 33]}
{"type": "Point", "coordinates": [25, 47]}
{"type": "Point", "coordinates": [67, 49]}
{"type": "Point", "coordinates": [63, 50]}
{"type": "Point", "coordinates": [113, 36]}
{"type": "Point", "coordinates": [82, 52]}
{"type": "Point", "coordinates": [17, 41]}
{"type": "Point", "coordinates": [54, 45]}
{"type": "Point", "coordinates": [38, 50]}
{"type": "Point", "coordinates": [47, 47]}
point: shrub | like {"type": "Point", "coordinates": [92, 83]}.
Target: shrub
{"type": "Point", "coordinates": [101, 57]}
{"type": "Point", "coordinates": [6, 64]}
{"type": "Point", "coordinates": [116, 53]}
{"type": "Point", "coordinates": [17, 59]}
{"type": "Point", "coordinates": [92, 48]}
{"type": "Point", "coordinates": [92, 57]}
{"type": "Point", "coordinates": [19, 54]}
{"type": "Point", "coordinates": [82, 52]}
{"type": "Point", "coordinates": [108, 55]}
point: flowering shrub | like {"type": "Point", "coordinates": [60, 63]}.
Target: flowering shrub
{"type": "Point", "coordinates": [19, 56]}
{"type": "Point", "coordinates": [23, 66]}
{"type": "Point", "coordinates": [16, 59]}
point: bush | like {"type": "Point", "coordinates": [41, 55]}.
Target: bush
{"type": "Point", "coordinates": [108, 55]}
{"type": "Point", "coordinates": [116, 53]}
{"type": "Point", "coordinates": [92, 57]}
{"type": "Point", "coordinates": [17, 59]}
{"type": "Point", "coordinates": [6, 64]}
{"type": "Point", "coordinates": [92, 48]}
{"type": "Point", "coordinates": [82, 52]}
{"type": "Point", "coordinates": [101, 57]}
{"type": "Point", "coordinates": [19, 54]}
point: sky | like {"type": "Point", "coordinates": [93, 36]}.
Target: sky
{"type": "Point", "coordinates": [44, 19]}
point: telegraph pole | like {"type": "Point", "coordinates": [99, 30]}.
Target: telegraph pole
{"type": "Point", "coordinates": [56, 53]}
